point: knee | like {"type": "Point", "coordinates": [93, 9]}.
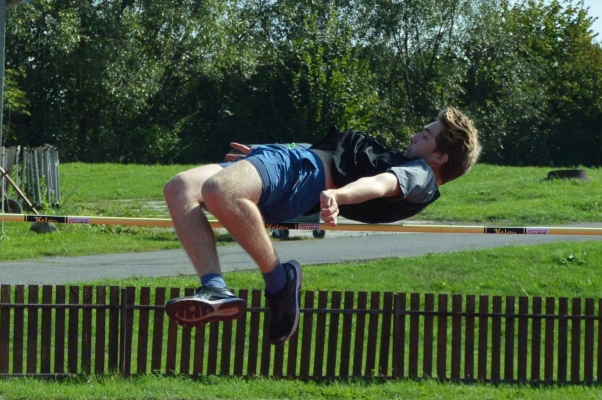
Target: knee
{"type": "Point", "coordinates": [175, 187]}
{"type": "Point", "coordinates": [213, 193]}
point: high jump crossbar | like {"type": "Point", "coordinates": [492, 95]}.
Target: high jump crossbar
{"type": "Point", "coordinates": [311, 226]}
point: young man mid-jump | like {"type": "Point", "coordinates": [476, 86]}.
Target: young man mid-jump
{"type": "Point", "coordinates": [347, 173]}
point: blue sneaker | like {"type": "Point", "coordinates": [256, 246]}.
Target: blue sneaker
{"type": "Point", "coordinates": [284, 306]}
{"type": "Point", "coordinates": [207, 304]}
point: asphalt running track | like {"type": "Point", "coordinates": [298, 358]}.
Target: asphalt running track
{"type": "Point", "coordinates": [335, 247]}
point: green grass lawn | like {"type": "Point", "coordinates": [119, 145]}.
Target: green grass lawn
{"type": "Point", "coordinates": [487, 195]}
{"type": "Point", "coordinates": [562, 269]}
{"type": "Point", "coordinates": [150, 387]}
{"type": "Point", "coordinates": [18, 242]}
{"type": "Point", "coordinates": [519, 195]}
{"type": "Point", "coordinates": [93, 183]}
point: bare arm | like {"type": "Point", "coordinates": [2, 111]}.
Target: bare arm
{"type": "Point", "coordinates": [364, 189]}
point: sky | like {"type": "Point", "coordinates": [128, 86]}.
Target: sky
{"type": "Point", "coordinates": [595, 10]}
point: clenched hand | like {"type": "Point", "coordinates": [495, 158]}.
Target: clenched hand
{"type": "Point", "coordinates": [329, 209]}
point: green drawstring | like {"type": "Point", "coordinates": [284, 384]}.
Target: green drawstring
{"type": "Point", "coordinates": [292, 145]}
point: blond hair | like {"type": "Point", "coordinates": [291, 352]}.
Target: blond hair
{"type": "Point", "coordinates": [460, 141]}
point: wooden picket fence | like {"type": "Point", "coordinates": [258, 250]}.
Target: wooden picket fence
{"type": "Point", "coordinates": [462, 338]}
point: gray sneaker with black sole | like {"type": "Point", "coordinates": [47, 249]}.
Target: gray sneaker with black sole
{"type": "Point", "coordinates": [284, 306]}
{"type": "Point", "coordinates": [206, 305]}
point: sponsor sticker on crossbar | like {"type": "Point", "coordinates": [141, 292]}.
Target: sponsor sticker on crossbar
{"type": "Point", "coordinates": [309, 227]}
{"type": "Point", "coordinates": [78, 220]}
{"type": "Point", "coordinates": [537, 231]}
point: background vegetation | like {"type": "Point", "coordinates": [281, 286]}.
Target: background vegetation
{"type": "Point", "coordinates": [146, 81]}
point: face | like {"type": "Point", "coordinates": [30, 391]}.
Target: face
{"type": "Point", "coordinates": [423, 144]}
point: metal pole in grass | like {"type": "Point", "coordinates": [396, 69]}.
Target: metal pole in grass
{"type": "Point", "coordinates": [311, 226]}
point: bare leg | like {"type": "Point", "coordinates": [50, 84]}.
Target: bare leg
{"type": "Point", "coordinates": [184, 199]}
{"type": "Point", "coordinates": [232, 196]}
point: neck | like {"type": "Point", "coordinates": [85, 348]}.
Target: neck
{"type": "Point", "coordinates": [438, 177]}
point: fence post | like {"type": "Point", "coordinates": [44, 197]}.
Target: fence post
{"type": "Point", "coordinates": [523, 338]}
{"type": "Point", "coordinates": [536, 341]}
{"type": "Point", "coordinates": [599, 355]}
{"type": "Point", "coordinates": [563, 323]}
{"type": "Point", "coordinates": [399, 331]}
{"type": "Point", "coordinates": [414, 335]}
{"type": "Point", "coordinates": [509, 340]}
{"type": "Point", "coordinates": [122, 349]}
{"type": "Point", "coordinates": [442, 337]}
{"type": "Point", "coordinates": [101, 299]}
{"type": "Point", "coordinates": [72, 330]}
{"type": "Point", "coordinates": [5, 293]}
{"type": "Point", "coordinates": [427, 347]}
{"type": "Point", "coordinates": [483, 336]}
{"type": "Point", "coordinates": [576, 341]}
{"type": "Point", "coordinates": [360, 324]}
{"type": "Point", "coordinates": [469, 353]}
{"type": "Point", "coordinates": [549, 340]}
{"type": "Point", "coordinates": [588, 356]}
{"type": "Point", "coordinates": [456, 337]}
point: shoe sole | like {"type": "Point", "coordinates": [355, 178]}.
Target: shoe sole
{"type": "Point", "coordinates": [298, 285]}
{"type": "Point", "coordinates": [191, 313]}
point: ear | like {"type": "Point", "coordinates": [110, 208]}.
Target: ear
{"type": "Point", "coordinates": [440, 158]}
